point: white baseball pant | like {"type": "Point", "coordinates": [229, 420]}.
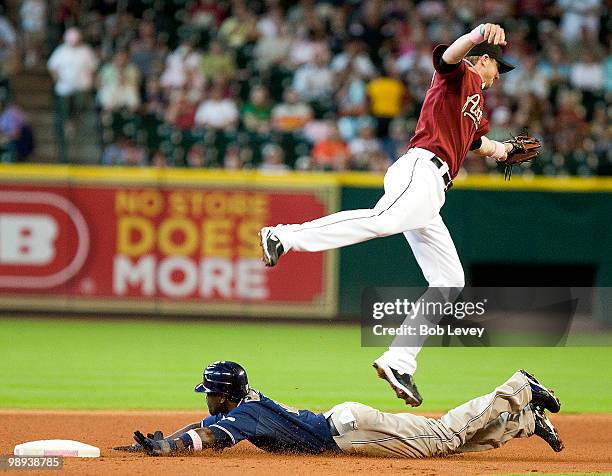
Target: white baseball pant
{"type": "Point", "coordinates": [414, 195]}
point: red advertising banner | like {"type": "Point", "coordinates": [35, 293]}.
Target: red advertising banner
{"type": "Point", "coordinates": [129, 242]}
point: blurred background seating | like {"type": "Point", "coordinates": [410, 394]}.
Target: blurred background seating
{"type": "Point", "coordinates": [337, 85]}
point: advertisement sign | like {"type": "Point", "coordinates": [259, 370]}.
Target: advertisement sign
{"type": "Point", "coordinates": [166, 243]}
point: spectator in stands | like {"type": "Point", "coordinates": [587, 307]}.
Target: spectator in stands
{"type": "Point", "coordinates": [118, 84]}
{"type": "Point", "coordinates": [587, 75]}
{"type": "Point", "coordinates": [217, 112]}
{"type": "Point", "coordinates": [314, 82]}
{"type": "Point", "coordinates": [408, 35]}
{"type": "Point", "coordinates": [160, 159]}
{"type": "Point", "coordinates": [398, 142]}
{"type": "Point", "coordinates": [354, 56]}
{"type": "Point", "coordinates": [94, 30]}
{"type": "Point", "coordinates": [182, 108]}
{"type": "Point", "coordinates": [301, 11]}
{"type": "Point", "coordinates": [133, 154]}
{"type": "Point", "coordinates": [338, 32]}
{"type": "Point", "coordinates": [205, 15]}
{"type": "Point", "coordinates": [33, 15]}
{"type": "Point", "coordinates": [418, 82]}
{"type": "Point", "coordinates": [72, 66]}
{"type": "Point", "coordinates": [112, 154]}
{"type": "Point", "coordinates": [352, 102]}
{"type": "Point", "coordinates": [292, 114]}
{"type": "Point", "coordinates": [273, 51]}
{"type": "Point", "coordinates": [528, 115]}
{"type": "Point", "coordinates": [270, 21]}
{"type": "Point", "coordinates": [528, 78]}
{"type": "Point", "coordinates": [154, 102]}
{"type": "Point", "coordinates": [124, 151]}
{"type": "Point", "coordinates": [608, 72]}
{"type": "Point", "coordinates": [144, 51]}
{"type": "Point", "coordinates": [601, 135]}
{"type": "Point", "coordinates": [363, 146]}
{"type": "Point", "coordinates": [387, 96]}
{"type": "Point", "coordinates": [68, 14]}
{"type": "Point", "coordinates": [306, 47]}
{"type": "Point", "coordinates": [447, 26]}
{"type": "Point", "coordinates": [8, 49]}
{"type": "Point", "coordinates": [331, 153]}
{"type": "Point", "coordinates": [121, 28]}
{"type": "Point", "coordinates": [501, 114]}
{"type": "Point", "coordinates": [233, 158]}
{"type": "Point", "coordinates": [16, 141]}
{"type": "Point", "coordinates": [273, 159]}
{"type": "Point", "coordinates": [569, 127]}
{"type": "Point", "coordinates": [240, 28]}
{"type": "Point", "coordinates": [418, 59]}
{"type": "Point", "coordinates": [228, 88]}
{"type": "Point", "coordinates": [369, 25]}
{"type": "Point", "coordinates": [554, 68]}
{"type": "Point", "coordinates": [578, 18]}
{"type": "Point", "coordinates": [570, 111]}
{"type": "Point", "coordinates": [378, 162]}
{"type": "Point", "coordinates": [195, 81]}
{"type": "Point", "coordinates": [217, 61]}
{"type": "Point", "coordinates": [179, 64]}
{"type": "Point", "coordinates": [197, 157]}
{"type": "Point", "coordinates": [257, 112]}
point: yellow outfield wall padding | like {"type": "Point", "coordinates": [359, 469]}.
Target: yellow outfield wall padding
{"type": "Point", "coordinates": [181, 176]}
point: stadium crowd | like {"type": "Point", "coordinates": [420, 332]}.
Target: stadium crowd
{"type": "Point", "coordinates": [322, 85]}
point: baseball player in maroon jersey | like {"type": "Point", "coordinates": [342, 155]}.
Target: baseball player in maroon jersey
{"type": "Point", "coordinates": [451, 124]}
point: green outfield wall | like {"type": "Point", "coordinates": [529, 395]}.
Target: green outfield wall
{"type": "Point", "coordinates": [514, 227]}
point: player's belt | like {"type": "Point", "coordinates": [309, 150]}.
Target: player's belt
{"type": "Point", "coordinates": [332, 428]}
{"type": "Point", "coordinates": [448, 182]}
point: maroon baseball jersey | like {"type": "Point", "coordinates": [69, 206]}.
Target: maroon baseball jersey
{"type": "Point", "coordinates": [451, 116]}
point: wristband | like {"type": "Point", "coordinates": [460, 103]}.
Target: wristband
{"type": "Point", "coordinates": [476, 35]}
{"type": "Point", "coordinates": [500, 150]}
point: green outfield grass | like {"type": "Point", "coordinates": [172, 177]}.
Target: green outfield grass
{"type": "Point", "coordinates": [144, 364]}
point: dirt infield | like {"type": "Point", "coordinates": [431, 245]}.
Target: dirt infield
{"type": "Point", "coordinates": [588, 440]}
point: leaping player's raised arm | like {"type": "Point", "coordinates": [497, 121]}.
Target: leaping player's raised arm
{"type": "Point", "coordinates": [454, 54]}
{"type": "Point", "coordinates": [488, 32]}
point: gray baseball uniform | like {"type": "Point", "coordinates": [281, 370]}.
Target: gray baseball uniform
{"type": "Point", "coordinates": [481, 424]}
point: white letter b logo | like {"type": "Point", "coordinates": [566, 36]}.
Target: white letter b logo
{"type": "Point", "coordinates": [27, 239]}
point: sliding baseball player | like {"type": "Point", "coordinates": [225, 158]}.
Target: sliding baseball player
{"type": "Point", "coordinates": [515, 409]}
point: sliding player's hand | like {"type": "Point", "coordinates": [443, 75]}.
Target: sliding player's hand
{"type": "Point", "coordinates": [149, 445]}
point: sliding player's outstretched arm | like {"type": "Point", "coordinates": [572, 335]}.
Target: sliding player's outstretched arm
{"type": "Point", "coordinates": [192, 440]}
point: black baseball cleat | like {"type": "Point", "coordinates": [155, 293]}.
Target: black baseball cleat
{"type": "Point", "coordinates": [541, 396]}
{"type": "Point", "coordinates": [545, 429]}
{"type": "Point", "coordinates": [402, 384]}
{"type": "Point", "coordinates": [271, 247]}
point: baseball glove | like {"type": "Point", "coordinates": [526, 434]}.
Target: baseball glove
{"type": "Point", "coordinates": [524, 148]}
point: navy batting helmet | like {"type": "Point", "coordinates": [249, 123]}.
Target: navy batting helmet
{"type": "Point", "coordinates": [225, 377]}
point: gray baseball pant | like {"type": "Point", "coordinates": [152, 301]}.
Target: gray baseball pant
{"type": "Point", "coordinates": [481, 424]}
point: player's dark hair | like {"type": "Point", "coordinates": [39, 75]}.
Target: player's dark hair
{"type": "Point", "coordinates": [473, 59]}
